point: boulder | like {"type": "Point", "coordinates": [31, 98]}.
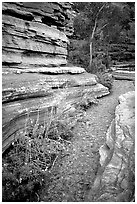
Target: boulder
{"type": "Point", "coordinates": [116, 175]}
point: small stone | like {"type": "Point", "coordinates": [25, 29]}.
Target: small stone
{"type": "Point", "coordinates": [18, 72]}
{"type": "Point", "coordinates": [124, 184]}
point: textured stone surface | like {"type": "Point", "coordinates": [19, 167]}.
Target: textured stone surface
{"type": "Point", "coordinates": [34, 52]}
{"type": "Point", "coordinates": [116, 176]}
{"type": "Point", "coordinates": [124, 75]}
{"type": "Point", "coordinates": [34, 34]}
{"type": "Point", "coordinates": [30, 92]}
{"type": "Point", "coordinates": [124, 71]}
{"type": "Point", "coordinates": [46, 70]}
{"type": "Point", "coordinates": [128, 67]}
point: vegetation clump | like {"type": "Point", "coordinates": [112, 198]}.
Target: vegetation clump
{"type": "Point", "coordinates": [106, 79]}
{"type": "Point", "coordinates": [102, 27]}
{"type": "Point", "coordinates": [27, 165]}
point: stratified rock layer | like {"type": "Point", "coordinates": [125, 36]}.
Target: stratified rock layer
{"type": "Point", "coordinates": [124, 75]}
{"type": "Point", "coordinates": [33, 93]}
{"type": "Point", "coordinates": [124, 71]}
{"type": "Point", "coordinates": [34, 50]}
{"type": "Point", "coordinates": [116, 175]}
{"type": "Point", "coordinates": [34, 34]}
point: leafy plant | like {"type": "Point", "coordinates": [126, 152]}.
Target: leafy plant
{"type": "Point", "coordinates": [79, 53]}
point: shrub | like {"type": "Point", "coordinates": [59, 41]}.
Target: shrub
{"type": "Point", "coordinates": [28, 163]}
{"type": "Point", "coordinates": [78, 53]}
{"type": "Point", "coordinates": [86, 102]}
{"type": "Point", "coordinates": [105, 79]}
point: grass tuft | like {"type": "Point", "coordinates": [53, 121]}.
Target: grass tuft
{"type": "Point", "coordinates": [28, 163]}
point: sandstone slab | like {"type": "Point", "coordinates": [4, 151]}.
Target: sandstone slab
{"type": "Point", "coordinates": [124, 75]}
{"type": "Point", "coordinates": [117, 154]}
{"type": "Point", "coordinates": [35, 93]}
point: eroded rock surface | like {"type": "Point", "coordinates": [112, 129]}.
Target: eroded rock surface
{"type": "Point", "coordinates": [34, 50]}
{"type": "Point", "coordinates": [124, 75]}
{"type": "Point", "coordinates": [116, 176]}
{"type": "Point", "coordinates": [34, 34]}
{"type": "Point", "coordinates": [124, 71]}
{"type": "Point", "coordinates": [35, 93]}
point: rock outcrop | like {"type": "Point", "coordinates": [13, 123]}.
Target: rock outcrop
{"type": "Point", "coordinates": [116, 175]}
{"type": "Point", "coordinates": [34, 34]}
{"type": "Point", "coordinates": [33, 93]}
{"type": "Point", "coordinates": [124, 75]}
{"type": "Point", "coordinates": [34, 50]}
{"type": "Point", "coordinates": [124, 71]}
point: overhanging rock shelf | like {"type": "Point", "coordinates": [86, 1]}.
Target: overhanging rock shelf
{"type": "Point", "coordinates": [35, 92]}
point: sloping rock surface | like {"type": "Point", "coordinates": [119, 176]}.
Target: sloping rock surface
{"type": "Point", "coordinates": [116, 176]}
{"type": "Point", "coordinates": [36, 93]}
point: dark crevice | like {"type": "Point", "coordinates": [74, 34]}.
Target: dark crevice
{"type": "Point", "coordinates": [50, 21]}
{"type": "Point", "coordinates": [19, 14]}
{"type": "Point", "coordinates": [26, 97]}
{"type": "Point", "coordinates": [24, 51]}
{"type": "Point", "coordinates": [10, 63]}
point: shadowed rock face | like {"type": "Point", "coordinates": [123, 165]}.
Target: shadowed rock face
{"type": "Point", "coordinates": [34, 34]}
{"type": "Point", "coordinates": [116, 176]}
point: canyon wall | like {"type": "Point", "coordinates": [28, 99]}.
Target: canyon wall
{"type": "Point", "coordinates": [35, 34]}
{"type": "Point", "coordinates": [34, 81]}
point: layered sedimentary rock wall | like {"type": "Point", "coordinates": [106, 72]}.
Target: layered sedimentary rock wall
{"type": "Point", "coordinates": [35, 94]}
{"type": "Point", "coordinates": [34, 47]}
{"type": "Point", "coordinates": [124, 71]}
{"type": "Point", "coordinates": [34, 34]}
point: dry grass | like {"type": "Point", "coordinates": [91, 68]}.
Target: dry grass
{"type": "Point", "coordinates": [29, 161]}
